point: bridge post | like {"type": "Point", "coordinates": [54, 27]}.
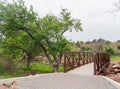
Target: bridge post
{"type": "Point", "coordinates": [64, 62]}
{"type": "Point", "coordinates": [78, 59]}
{"type": "Point", "coordinates": [92, 57]}
{"type": "Point", "coordinates": [84, 58]}
{"type": "Point", "coordinates": [94, 60]}
{"type": "Point", "coordinates": [73, 55]}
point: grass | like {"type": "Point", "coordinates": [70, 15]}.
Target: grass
{"type": "Point", "coordinates": [115, 58]}
{"type": "Point", "coordinates": [36, 67]}
{"type": "Point", "coordinates": [41, 68]}
{"type": "Point", "coordinates": [44, 68]}
{"type": "Point", "coordinates": [6, 75]}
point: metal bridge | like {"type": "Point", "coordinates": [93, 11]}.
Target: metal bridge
{"type": "Point", "coordinates": [99, 60]}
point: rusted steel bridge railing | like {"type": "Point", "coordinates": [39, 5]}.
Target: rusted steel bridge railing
{"type": "Point", "coordinates": [76, 59]}
{"type": "Point", "coordinates": [101, 62]}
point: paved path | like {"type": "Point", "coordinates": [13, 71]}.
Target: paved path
{"type": "Point", "coordinates": [87, 69]}
{"type": "Point", "coordinates": [62, 81]}
{"type": "Point", "coordinates": [80, 78]}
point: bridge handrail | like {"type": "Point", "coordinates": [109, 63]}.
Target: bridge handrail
{"type": "Point", "coordinates": [78, 58]}
{"type": "Point", "coordinates": [101, 60]}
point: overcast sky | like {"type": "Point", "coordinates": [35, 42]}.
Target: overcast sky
{"type": "Point", "coordinates": [97, 21]}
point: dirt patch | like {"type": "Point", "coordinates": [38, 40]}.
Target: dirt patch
{"type": "Point", "coordinates": [113, 72]}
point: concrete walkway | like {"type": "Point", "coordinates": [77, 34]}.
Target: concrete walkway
{"type": "Point", "coordinates": [61, 81]}
{"type": "Point", "coordinates": [87, 69]}
{"type": "Point", "coordinates": [79, 78]}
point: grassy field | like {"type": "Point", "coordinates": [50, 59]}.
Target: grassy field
{"type": "Point", "coordinates": [115, 58]}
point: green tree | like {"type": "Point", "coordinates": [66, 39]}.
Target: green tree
{"type": "Point", "coordinates": [100, 40]}
{"type": "Point", "coordinates": [107, 42]}
{"type": "Point", "coordinates": [14, 18]}
{"type": "Point", "coordinates": [118, 41]}
{"type": "Point", "coordinates": [85, 48]}
{"type": "Point", "coordinates": [52, 41]}
{"type": "Point", "coordinates": [77, 44]}
{"type": "Point", "coordinates": [46, 33]}
{"type": "Point", "coordinates": [94, 41]}
{"type": "Point", "coordinates": [88, 42]}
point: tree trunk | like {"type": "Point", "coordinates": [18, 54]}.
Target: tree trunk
{"type": "Point", "coordinates": [57, 60]}
{"type": "Point", "coordinates": [57, 63]}
{"type": "Point", "coordinates": [28, 64]}
{"type": "Point", "coordinates": [55, 68]}
{"type": "Point", "coordinates": [29, 60]}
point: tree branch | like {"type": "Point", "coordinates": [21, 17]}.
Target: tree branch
{"type": "Point", "coordinates": [25, 30]}
{"type": "Point", "coordinates": [45, 51]}
{"type": "Point", "coordinates": [62, 33]}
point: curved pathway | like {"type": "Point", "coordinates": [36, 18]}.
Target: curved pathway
{"type": "Point", "coordinates": [62, 81]}
{"type": "Point", "coordinates": [70, 80]}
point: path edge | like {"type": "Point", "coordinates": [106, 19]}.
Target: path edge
{"type": "Point", "coordinates": [114, 83]}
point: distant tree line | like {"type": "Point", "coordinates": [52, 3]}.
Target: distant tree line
{"type": "Point", "coordinates": [101, 45]}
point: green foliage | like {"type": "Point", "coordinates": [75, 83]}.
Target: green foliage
{"type": "Point", "coordinates": [16, 21]}
{"type": "Point", "coordinates": [115, 58]}
{"type": "Point", "coordinates": [19, 69]}
{"type": "Point", "coordinates": [77, 44]}
{"type": "Point", "coordinates": [109, 50]}
{"type": "Point", "coordinates": [41, 68]}
{"type": "Point", "coordinates": [118, 47]}
{"type": "Point", "coordinates": [59, 46]}
{"type": "Point", "coordinates": [85, 48]}
{"type": "Point", "coordinates": [26, 34]}
{"type": "Point", "coordinates": [88, 42]}
{"type": "Point", "coordinates": [10, 68]}
{"type": "Point", "coordinates": [118, 40]}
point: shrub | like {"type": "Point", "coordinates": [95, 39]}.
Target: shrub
{"type": "Point", "coordinates": [118, 47]}
{"type": "Point", "coordinates": [110, 50]}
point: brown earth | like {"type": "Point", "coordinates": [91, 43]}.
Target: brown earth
{"type": "Point", "coordinates": [115, 77]}
{"type": "Point", "coordinates": [113, 72]}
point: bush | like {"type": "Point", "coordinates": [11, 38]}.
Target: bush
{"type": "Point", "coordinates": [110, 50]}
{"type": "Point", "coordinates": [10, 68]}
{"type": "Point", "coordinates": [118, 47]}
{"type": "Point", "coordinates": [13, 68]}
{"type": "Point", "coordinates": [85, 48]}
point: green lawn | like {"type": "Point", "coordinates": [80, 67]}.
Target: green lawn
{"type": "Point", "coordinates": [115, 58]}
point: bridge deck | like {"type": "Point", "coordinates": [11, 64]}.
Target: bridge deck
{"type": "Point", "coordinates": [87, 69]}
